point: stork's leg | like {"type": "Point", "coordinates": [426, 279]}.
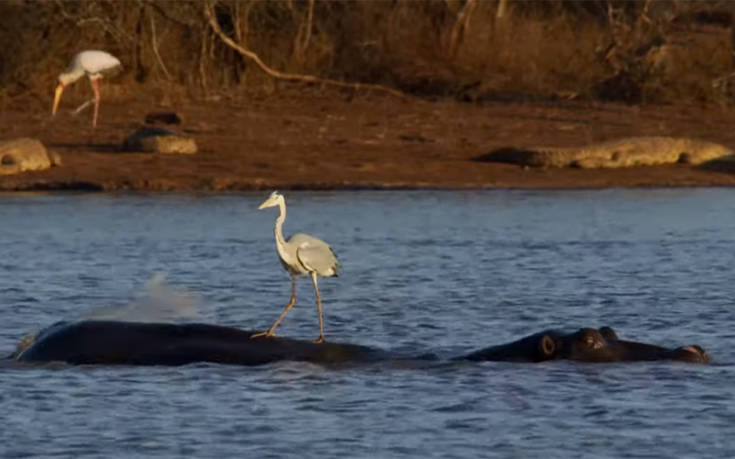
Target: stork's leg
{"type": "Point", "coordinates": [269, 332]}
{"type": "Point", "coordinates": [319, 307]}
{"type": "Point", "coordinates": [83, 106]}
{"type": "Point", "coordinates": [96, 89]}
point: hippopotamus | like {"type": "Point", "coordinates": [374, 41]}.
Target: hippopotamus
{"type": "Point", "coordinates": [135, 343]}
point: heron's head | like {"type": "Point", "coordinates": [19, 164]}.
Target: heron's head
{"type": "Point", "coordinates": [273, 200]}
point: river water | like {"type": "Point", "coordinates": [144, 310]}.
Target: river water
{"type": "Point", "coordinates": [442, 271]}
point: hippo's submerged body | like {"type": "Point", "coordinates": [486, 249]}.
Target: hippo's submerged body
{"type": "Point", "coordinates": [133, 343]}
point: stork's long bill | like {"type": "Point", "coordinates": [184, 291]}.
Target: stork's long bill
{"type": "Point", "coordinates": [57, 98]}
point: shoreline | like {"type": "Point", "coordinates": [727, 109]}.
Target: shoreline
{"type": "Point", "coordinates": [324, 141]}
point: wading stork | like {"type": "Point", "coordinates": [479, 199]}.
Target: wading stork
{"type": "Point", "coordinates": [95, 65]}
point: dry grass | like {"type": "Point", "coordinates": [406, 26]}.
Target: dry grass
{"type": "Point", "coordinates": [656, 51]}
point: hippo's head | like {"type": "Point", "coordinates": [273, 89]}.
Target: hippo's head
{"type": "Point", "coordinates": [589, 345]}
{"type": "Point", "coordinates": [603, 345]}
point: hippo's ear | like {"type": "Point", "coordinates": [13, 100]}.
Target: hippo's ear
{"type": "Point", "coordinates": [546, 347]}
{"type": "Point", "coordinates": [608, 333]}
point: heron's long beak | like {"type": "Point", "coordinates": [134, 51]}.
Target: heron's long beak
{"type": "Point", "coordinates": [267, 203]}
{"type": "Point", "coordinates": [57, 98]}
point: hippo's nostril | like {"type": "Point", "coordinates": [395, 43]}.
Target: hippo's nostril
{"type": "Point", "coordinates": [692, 354]}
{"type": "Point", "coordinates": [696, 349]}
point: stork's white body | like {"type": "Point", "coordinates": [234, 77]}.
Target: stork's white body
{"type": "Point", "coordinates": [95, 65]}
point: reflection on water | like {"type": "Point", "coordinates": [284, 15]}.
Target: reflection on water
{"type": "Point", "coordinates": [422, 271]}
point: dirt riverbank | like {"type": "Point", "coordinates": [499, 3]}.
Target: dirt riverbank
{"type": "Point", "coordinates": [312, 139]}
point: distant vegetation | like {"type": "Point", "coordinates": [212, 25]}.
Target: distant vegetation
{"type": "Point", "coordinates": [473, 50]}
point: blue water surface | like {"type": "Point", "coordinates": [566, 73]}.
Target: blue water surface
{"type": "Point", "coordinates": [442, 271]}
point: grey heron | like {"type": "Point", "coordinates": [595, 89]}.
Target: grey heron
{"type": "Point", "coordinates": [301, 254]}
{"type": "Point", "coordinates": [95, 65]}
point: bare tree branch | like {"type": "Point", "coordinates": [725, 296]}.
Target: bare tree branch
{"type": "Point", "coordinates": [203, 58]}
{"type": "Point", "coordinates": [460, 25]}
{"type": "Point", "coordinates": [166, 15]}
{"type": "Point", "coordinates": [502, 9]}
{"type": "Point", "coordinates": [304, 34]}
{"type": "Point", "coordinates": [104, 23]}
{"type": "Point", "coordinates": [154, 45]}
{"type": "Point", "coordinates": [209, 13]}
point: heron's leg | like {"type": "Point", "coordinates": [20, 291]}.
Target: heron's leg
{"type": "Point", "coordinates": [96, 89]}
{"type": "Point", "coordinates": [319, 307]}
{"type": "Point", "coordinates": [288, 307]}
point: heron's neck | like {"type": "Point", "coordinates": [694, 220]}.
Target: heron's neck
{"type": "Point", "coordinates": [280, 241]}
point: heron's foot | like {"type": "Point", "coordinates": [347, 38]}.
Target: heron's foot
{"type": "Point", "coordinates": [319, 340]}
{"type": "Point", "coordinates": [266, 334]}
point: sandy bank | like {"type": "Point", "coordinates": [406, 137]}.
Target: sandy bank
{"type": "Point", "coordinates": [315, 140]}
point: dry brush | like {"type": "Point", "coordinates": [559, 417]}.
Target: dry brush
{"type": "Point", "coordinates": [652, 50]}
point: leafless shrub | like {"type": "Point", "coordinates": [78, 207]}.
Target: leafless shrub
{"type": "Point", "coordinates": [652, 50]}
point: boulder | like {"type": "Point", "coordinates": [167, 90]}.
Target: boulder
{"type": "Point", "coordinates": [25, 154]}
{"type": "Point", "coordinates": [160, 140]}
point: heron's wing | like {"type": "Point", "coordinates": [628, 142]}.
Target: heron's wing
{"type": "Point", "coordinates": [315, 255]}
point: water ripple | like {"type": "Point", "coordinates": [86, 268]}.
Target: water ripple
{"type": "Point", "coordinates": [441, 272]}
